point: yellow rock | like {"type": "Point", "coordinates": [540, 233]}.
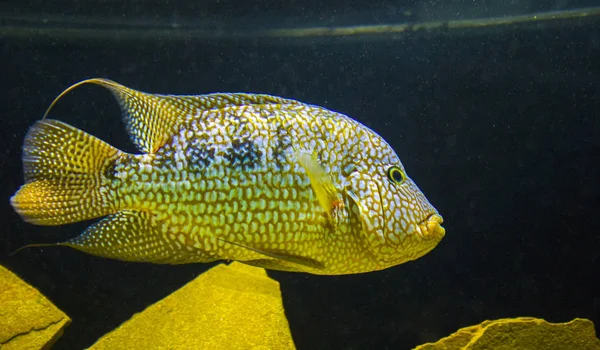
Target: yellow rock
{"type": "Point", "coordinates": [27, 319]}
{"type": "Point", "coordinates": [228, 307]}
{"type": "Point", "coordinates": [523, 333]}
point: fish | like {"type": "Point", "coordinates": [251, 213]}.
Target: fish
{"type": "Point", "coordinates": [260, 179]}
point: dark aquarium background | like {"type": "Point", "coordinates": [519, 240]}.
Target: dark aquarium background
{"type": "Point", "coordinates": [499, 126]}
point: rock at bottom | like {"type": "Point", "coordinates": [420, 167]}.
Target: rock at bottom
{"type": "Point", "coordinates": [27, 319]}
{"type": "Point", "coordinates": [523, 333]}
{"type": "Point", "coordinates": [228, 307]}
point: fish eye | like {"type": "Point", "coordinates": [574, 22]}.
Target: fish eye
{"type": "Point", "coordinates": [396, 175]}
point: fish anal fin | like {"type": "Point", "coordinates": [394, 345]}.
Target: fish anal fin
{"type": "Point", "coordinates": [131, 236]}
{"type": "Point", "coordinates": [33, 245]}
{"type": "Point", "coordinates": [293, 259]}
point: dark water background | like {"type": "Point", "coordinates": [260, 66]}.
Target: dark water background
{"type": "Point", "coordinates": [501, 131]}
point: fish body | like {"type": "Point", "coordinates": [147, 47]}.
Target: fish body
{"type": "Point", "coordinates": [264, 180]}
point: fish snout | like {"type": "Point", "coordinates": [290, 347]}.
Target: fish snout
{"type": "Point", "coordinates": [431, 227]}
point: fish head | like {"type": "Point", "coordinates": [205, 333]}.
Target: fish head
{"type": "Point", "coordinates": [397, 222]}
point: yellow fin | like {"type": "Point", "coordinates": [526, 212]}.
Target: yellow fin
{"type": "Point", "coordinates": [133, 236]}
{"type": "Point", "coordinates": [66, 175]}
{"type": "Point", "coordinates": [294, 259]}
{"type": "Point", "coordinates": [321, 183]}
{"type": "Point", "coordinates": [150, 118]}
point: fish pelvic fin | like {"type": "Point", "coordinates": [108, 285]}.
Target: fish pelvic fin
{"type": "Point", "coordinates": [69, 175]}
{"type": "Point", "coordinates": [283, 256]}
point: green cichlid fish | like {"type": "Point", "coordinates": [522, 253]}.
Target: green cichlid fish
{"type": "Point", "coordinates": [263, 180]}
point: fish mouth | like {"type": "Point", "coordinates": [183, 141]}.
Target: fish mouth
{"type": "Point", "coordinates": [431, 227]}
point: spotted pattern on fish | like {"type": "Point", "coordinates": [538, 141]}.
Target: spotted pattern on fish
{"type": "Point", "coordinates": [260, 179]}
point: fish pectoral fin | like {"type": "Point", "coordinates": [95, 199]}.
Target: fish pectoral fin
{"type": "Point", "coordinates": [294, 259]}
{"type": "Point", "coordinates": [129, 236]}
{"type": "Point", "coordinates": [321, 183]}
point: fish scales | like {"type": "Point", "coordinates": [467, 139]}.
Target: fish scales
{"type": "Point", "coordinates": [260, 179]}
{"type": "Point", "coordinates": [250, 190]}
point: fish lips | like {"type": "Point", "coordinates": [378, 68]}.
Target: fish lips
{"type": "Point", "coordinates": [432, 227]}
{"type": "Point", "coordinates": [383, 248]}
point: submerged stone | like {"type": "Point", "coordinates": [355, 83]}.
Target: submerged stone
{"type": "Point", "coordinates": [27, 319]}
{"type": "Point", "coordinates": [228, 307]}
{"type": "Point", "coordinates": [523, 333]}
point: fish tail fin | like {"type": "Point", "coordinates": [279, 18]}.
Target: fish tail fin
{"type": "Point", "coordinates": [69, 175]}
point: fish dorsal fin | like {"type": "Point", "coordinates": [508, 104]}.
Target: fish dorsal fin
{"type": "Point", "coordinates": [222, 100]}
{"type": "Point", "coordinates": [150, 118]}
